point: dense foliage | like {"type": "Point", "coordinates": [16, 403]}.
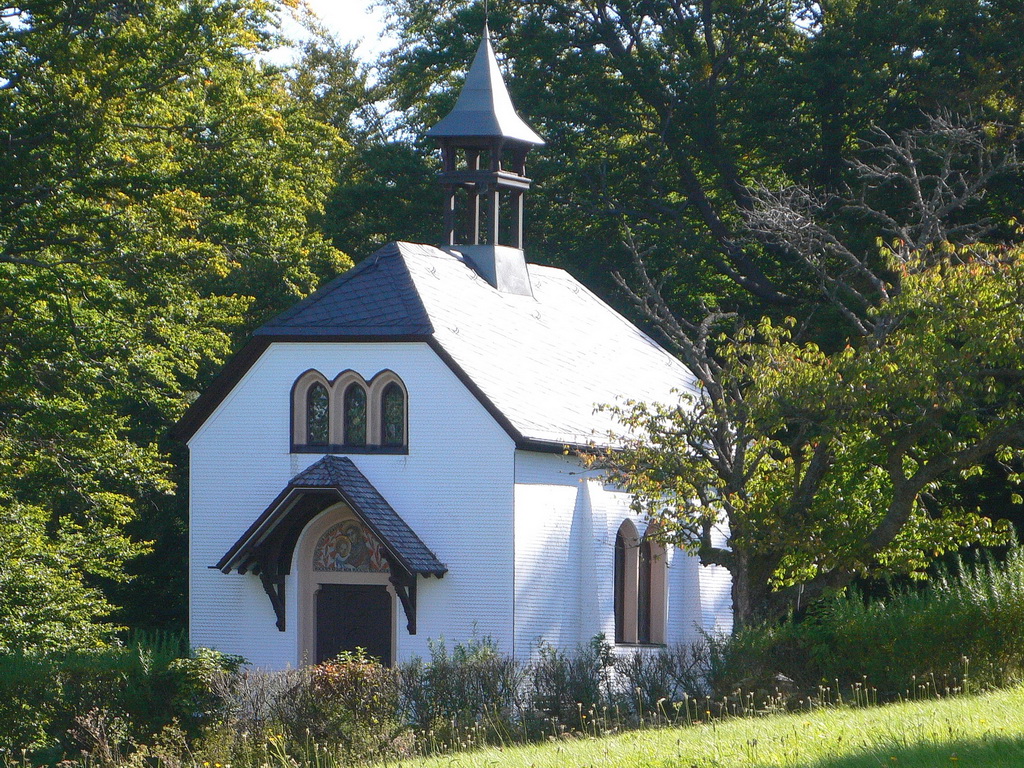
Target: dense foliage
{"type": "Point", "coordinates": [162, 190]}
{"type": "Point", "coordinates": [821, 464]}
{"type": "Point", "coordinates": [107, 702]}
{"type": "Point", "coordinates": [156, 183]}
{"type": "Point", "coordinates": [661, 118]}
{"type": "Point", "coordinates": [961, 632]}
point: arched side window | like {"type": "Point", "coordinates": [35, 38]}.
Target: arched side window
{"type": "Point", "coordinates": [652, 590]}
{"type": "Point", "coordinates": [318, 415]}
{"type": "Point", "coordinates": [350, 414]}
{"type": "Point", "coordinates": [389, 412]}
{"type": "Point", "coordinates": [392, 415]}
{"type": "Point", "coordinates": [643, 594]}
{"type": "Point", "coordinates": [620, 587]}
{"type": "Point", "coordinates": [640, 588]}
{"type": "Point", "coordinates": [312, 410]}
{"type": "Point", "coordinates": [355, 415]}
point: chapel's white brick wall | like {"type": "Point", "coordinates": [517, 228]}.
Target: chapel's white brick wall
{"type": "Point", "coordinates": [528, 537]}
{"type": "Point", "coordinates": [566, 520]}
{"type": "Point", "coordinates": [552, 538]}
{"type": "Point", "coordinates": [716, 589]}
{"type": "Point", "coordinates": [240, 461]}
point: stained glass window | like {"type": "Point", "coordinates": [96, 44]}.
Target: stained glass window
{"type": "Point", "coordinates": [317, 415]}
{"type": "Point", "coordinates": [355, 415]}
{"type": "Point", "coordinates": [349, 546]}
{"type": "Point", "coordinates": [392, 405]}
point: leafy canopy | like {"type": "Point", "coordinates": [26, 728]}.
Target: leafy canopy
{"type": "Point", "coordinates": [822, 464]}
{"type": "Point", "coordinates": [156, 184]}
{"type": "Point", "coordinates": [663, 117]}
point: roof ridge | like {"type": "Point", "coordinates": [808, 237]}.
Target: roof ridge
{"type": "Point", "coordinates": [400, 247]}
{"type": "Point", "coordinates": [325, 290]}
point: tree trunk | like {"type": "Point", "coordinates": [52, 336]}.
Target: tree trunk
{"type": "Point", "coordinates": [752, 598]}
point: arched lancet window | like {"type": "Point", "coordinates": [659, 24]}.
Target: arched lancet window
{"type": "Point", "coordinates": [639, 588]}
{"type": "Point", "coordinates": [355, 415]}
{"type": "Point", "coordinates": [643, 594]}
{"type": "Point", "coordinates": [349, 414]}
{"type": "Point", "coordinates": [318, 413]}
{"type": "Point", "coordinates": [392, 423]}
{"type": "Point", "coordinates": [620, 586]}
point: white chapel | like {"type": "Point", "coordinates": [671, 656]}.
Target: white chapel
{"type": "Point", "coordinates": [392, 460]}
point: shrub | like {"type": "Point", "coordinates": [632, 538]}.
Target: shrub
{"type": "Point", "coordinates": [566, 686]}
{"type": "Point", "coordinates": [58, 705]}
{"type": "Point", "coordinates": [964, 628]}
{"type": "Point", "coordinates": [340, 712]}
{"type": "Point", "coordinates": [468, 695]}
{"type": "Point", "coordinates": [966, 622]}
{"type": "Point", "coordinates": [351, 702]}
{"type": "Point", "coordinates": [653, 683]}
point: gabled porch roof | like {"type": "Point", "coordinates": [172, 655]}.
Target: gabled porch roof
{"type": "Point", "coordinates": [266, 548]}
{"type": "Point", "coordinates": [270, 541]}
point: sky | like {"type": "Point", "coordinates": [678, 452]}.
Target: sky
{"type": "Point", "coordinates": [352, 21]}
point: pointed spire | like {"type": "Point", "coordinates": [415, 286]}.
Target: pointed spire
{"type": "Point", "coordinates": [484, 145]}
{"type": "Point", "coordinates": [484, 108]}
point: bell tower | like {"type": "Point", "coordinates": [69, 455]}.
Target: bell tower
{"type": "Point", "coordinates": [484, 144]}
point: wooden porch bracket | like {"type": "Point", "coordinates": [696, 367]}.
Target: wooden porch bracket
{"type": "Point", "coordinates": [274, 587]}
{"type": "Point", "coordinates": [405, 588]}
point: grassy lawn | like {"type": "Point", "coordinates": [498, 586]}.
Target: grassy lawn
{"type": "Point", "coordinates": [984, 732]}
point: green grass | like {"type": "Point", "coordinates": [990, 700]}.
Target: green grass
{"type": "Point", "coordinates": [984, 731]}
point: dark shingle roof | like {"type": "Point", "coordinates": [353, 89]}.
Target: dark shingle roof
{"type": "Point", "coordinates": [335, 473]}
{"type": "Point", "coordinates": [376, 298]}
{"type": "Point", "coordinates": [341, 474]}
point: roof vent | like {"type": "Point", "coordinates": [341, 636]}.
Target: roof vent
{"type": "Point", "coordinates": [501, 266]}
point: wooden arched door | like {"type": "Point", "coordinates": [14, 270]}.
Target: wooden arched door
{"type": "Point", "coordinates": [346, 598]}
{"type": "Point", "coordinates": [351, 616]}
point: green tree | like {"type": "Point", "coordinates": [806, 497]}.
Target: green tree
{"type": "Point", "coordinates": [826, 464]}
{"type": "Point", "coordinates": [156, 186]}
{"type": "Point", "coordinates": [822, 466]}
{"type": "Point", "coordinates": [384, 187]}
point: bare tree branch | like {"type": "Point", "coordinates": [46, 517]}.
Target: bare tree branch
{"type": "Point", "coordinates": [912, 187]}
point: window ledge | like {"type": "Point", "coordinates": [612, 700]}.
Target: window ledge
{"type": "Point", "coordinates": [641, 645]}
{"type": "Point", "coordinates": [390, 450]}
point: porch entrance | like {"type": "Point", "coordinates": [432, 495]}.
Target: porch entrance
{"type": "Point", "coordinates": [346, 597]}
{"type": "Point", "coordinates": [351, 616]}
